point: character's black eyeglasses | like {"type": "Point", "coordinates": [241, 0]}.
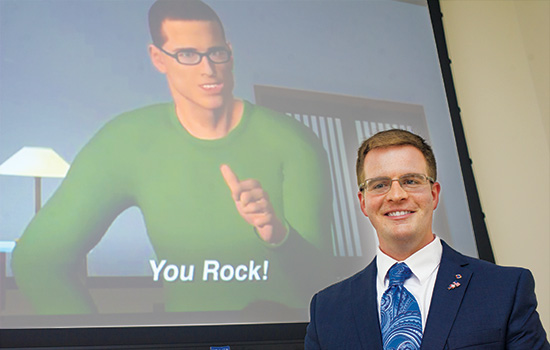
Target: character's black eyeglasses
{"type": "Point", "coordinates": [191, 57]}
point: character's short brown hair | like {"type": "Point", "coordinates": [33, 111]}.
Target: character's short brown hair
{"type": "Point", "coordinates": [390, 138]}
{"type": "Point", "coordinates": [183, 10]}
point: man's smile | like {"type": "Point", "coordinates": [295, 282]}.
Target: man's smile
{"type": "Point", "coordinates": [212, 87]}
{"type": "Point", "coordinates": [399, 213]}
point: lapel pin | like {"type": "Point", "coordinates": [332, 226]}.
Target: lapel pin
{"type": "Point", "coordinates": [454, 285]}
{"type": "Point", "coordinates": [458, 276]}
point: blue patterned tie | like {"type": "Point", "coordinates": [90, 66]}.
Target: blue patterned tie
{"type": "Point", "coordinates": [400, 315]}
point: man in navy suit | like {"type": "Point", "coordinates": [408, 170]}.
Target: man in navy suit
{"type": "Point", "coordinates": [463, 303]}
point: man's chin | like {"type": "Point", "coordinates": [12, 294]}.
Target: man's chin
{"type": "Point", "coordinates": [213, 103]}
{"type": "Point", "coordinates": [403, 233]}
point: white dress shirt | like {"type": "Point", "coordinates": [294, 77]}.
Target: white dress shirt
{"type": "Point", "coordinates": [424, 265]}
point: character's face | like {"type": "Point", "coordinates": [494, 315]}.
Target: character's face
{"type": "Point", "coordinates": [206, 85]}
{"type": "Point", "coordinates": [403, 220]}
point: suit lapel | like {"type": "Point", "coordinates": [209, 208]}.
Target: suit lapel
{"type": "Point", "coordinates": [365, 308]}
{"type": "Point", "coordinates": [451, 284]}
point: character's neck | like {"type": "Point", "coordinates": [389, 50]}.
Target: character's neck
{"type": "Point", "coordinates": [210, 124]}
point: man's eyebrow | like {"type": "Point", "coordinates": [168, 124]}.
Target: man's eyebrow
{"type": "Point", "coordinates": [192, 49]}
{"type": "Point", "coordinates": [180, 49]}
{"type": "Point", "coordinates": [377, 178]}
{"type": "Point", "coordinates": [217, 47]}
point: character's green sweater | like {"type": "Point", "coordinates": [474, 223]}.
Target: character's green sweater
{"type": "Point", "coordinates": [145, 158]}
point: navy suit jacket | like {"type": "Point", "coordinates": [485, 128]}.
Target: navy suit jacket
{"type": "Point", "coordinates": [493, 308]}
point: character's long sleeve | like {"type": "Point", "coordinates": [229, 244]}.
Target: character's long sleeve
{"type": "Point", "coordinates": [49, 259]}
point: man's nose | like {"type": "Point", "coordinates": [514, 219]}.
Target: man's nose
{"type": "Point", "coordinates": [207, 67]}
{"type": "Point", "coordinates": [396, 192]}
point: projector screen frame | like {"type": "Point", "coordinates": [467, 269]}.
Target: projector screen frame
{"type": "Point", "coordinates": [264, 336]}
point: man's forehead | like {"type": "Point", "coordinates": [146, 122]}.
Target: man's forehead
{"type": "Point", "coordinates": [403, 157]}
{"type": "Point", "coordinates": [191, 28]}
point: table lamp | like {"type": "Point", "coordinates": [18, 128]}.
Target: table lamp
{"type": "Point", "coordinates": [37, 162]}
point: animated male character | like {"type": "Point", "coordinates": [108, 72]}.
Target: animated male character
{"type": "Point", "coordinates": [418, 292]}
{"type": "Point", "coordinates": [215, 177]}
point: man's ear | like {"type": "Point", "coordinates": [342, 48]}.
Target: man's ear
{"type": "Point", "coordinates": [230, 49]}
{"type": "Point", "coordinates": [157, 58]}
{"type": "Point", "coordinates": [362, 203]}
{"type": "Point", "coordinates": [436, 190]}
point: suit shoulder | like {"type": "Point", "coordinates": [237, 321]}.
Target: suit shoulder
{"type": "Point", "coordinates": [336, 289]}
{"type": "Point", "coordinates": [498, 270]}
{"type": "Point", "coordinates": [479, 265]}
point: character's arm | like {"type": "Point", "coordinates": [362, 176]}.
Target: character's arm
{"type": "Point", "coordinates": [525, 330]}
{"type": "Point", "coordinates": [49, 258]}
{"type": "Point", "coordinates": [306, 254]}
{"type": "Point", "coordinates": [307, 193]}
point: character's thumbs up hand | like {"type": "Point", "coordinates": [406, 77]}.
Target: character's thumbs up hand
{"type": "Point", "coordinates": [253, 205]}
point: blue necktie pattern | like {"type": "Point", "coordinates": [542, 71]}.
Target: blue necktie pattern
{"type": "Point", "coordinates": [400, 322]}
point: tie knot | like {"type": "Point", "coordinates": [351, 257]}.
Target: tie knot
{"type": "Point", "coordinates": [399, 273]}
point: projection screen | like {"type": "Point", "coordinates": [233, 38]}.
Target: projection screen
{"type": "Point", "coordinates": [134, 225]}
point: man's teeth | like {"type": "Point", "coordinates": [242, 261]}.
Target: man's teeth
{"type": "Point", "coordinates": [399, 213]}
{"type": "Point", "coordinates": [210, 86]}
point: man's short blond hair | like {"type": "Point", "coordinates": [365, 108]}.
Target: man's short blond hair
{"type": "Point", "coordinates": [391, 138]}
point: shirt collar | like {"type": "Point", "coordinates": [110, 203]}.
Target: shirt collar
{"type": "Point", "coordinates": [422, 263]}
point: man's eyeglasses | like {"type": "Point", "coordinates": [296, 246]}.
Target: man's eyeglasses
{"type": "Point", "coordinates": [409, 183]}
{"type": "Point", "coordinates": [191, 57]}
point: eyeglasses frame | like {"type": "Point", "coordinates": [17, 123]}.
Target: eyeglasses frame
{"type": "Point", "coordinates": [201, 55]}
{"type": "Point", "coordinates": [363, 185]}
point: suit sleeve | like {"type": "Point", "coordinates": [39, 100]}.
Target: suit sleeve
{"type": "Point", "coordinates": [311, 340]}
{"type": "Point", "coordinates": [525, 330]}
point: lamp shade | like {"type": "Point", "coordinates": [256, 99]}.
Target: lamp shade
{"type": "Point", "coordinates": [35, 162]}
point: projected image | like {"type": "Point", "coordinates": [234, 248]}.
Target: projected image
{"type": "Point", "coordinates": [235, 198]}
{"type": "Point", "coordinates": [211, 151]}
